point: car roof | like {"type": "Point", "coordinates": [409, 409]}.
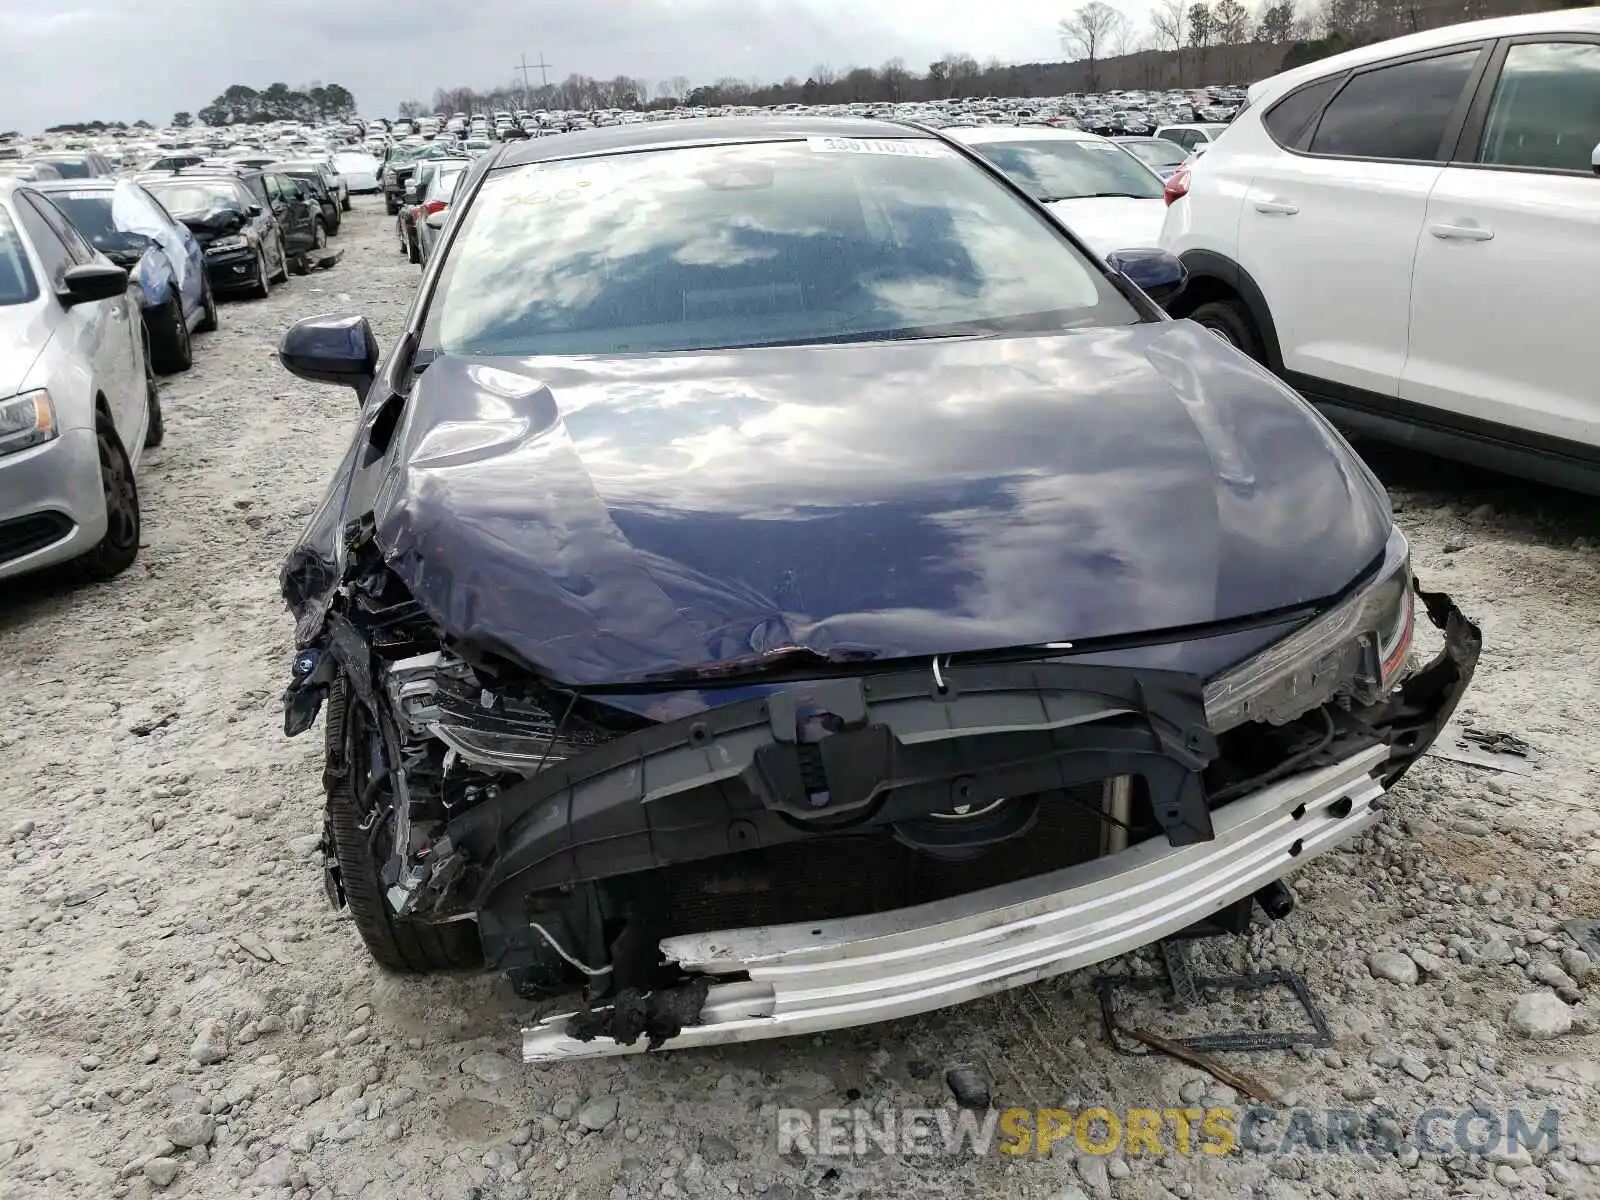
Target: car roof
{"type": "Point", "coordinates": [98, 183]}
{"type": "Point", "coordinates": [983, 135]}
{"type": "Point", "coordinates": [641, 135]}
{"type": "Point", "coordinates": [1572, 20]}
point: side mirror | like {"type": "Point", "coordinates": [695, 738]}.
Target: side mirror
{"type": "Point", "coordinates": [336, 348]}
{"type": "Point", "coordinates": [90, 282]}
{"type": "Point", "coordinates": [254, 210]}
{"type": "Point", "coordinates": [1161, 275]}
{"type": "Point", "coordinates": [1594, 158]}
{"type": "Point", "coordinates": [435, 220]}
{"type": "Point", "coordinates": [1200, 148]}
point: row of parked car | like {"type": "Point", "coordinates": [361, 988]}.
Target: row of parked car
{"type": "Point", "coordinates": [104, 282]}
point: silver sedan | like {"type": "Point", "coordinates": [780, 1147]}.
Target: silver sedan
{"type": "Point", "coordinates": [78, 402]}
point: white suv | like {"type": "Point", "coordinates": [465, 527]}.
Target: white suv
{"type": "Point", "coordinates": [1409, 234]}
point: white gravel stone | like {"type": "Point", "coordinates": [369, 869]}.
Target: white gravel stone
{"type": "Point", "coordinates": [1541, 1015]}
{"type": "Point", "coordinates": [1393, 966]}
{"type": "Point", "coordinates": [599, 1113]}
{"type": "Point", "coordinates": [489, 1067]}
{"type": "Point", "coordinates": [161, 1171]}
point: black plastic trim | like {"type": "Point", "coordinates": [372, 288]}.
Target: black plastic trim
{"type": "Point", "coordinates": [730, 779]}
{"type": "Point", "coordinates": [1552, 460]}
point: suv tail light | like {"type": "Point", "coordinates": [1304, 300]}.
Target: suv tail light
{"type": "Point", "coordinates": [1177, 186]}
{"type": "Point", "coordinates": [433, 206]}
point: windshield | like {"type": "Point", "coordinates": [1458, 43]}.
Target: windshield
{"type": "Point", "coordinates": [1069, 169]}
{"type": "Point", "coordinates": [822, 240]}
{"type": "Point", "coordinates": [90, 212]}
{"type": "Point", "coordinates": [444, 186]}
{"type": "Point", "coordinates": [69, 168]}
{"type": "Point", "coordinates": [1157, 152]}
{"type": "Point", "coordinates": [16, 279]}
{"type": "Point", "coordinates": [196, 196]}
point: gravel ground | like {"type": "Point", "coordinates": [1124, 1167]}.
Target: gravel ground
{"type": "Point", "coordinates": [180, 1010]}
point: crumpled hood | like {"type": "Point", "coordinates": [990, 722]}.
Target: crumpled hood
{"type": "Point", "coordinates": [1110, 223]}
{"type": "Point", "coordinates": [603, 519]}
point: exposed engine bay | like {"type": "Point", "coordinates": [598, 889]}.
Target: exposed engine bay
{"type": "Point", "coordinates": [558, 836]}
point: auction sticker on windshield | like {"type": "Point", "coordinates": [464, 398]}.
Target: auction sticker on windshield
{"type": "Point", "coordinates": [904, 147]}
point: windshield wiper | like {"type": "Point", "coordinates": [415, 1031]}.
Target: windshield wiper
{"type": "Point", "coordinates": [1097, 196]}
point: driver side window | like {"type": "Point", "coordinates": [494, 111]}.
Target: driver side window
{"type": "Point", "coordinates": [53, 255]}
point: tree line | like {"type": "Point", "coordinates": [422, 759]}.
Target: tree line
{"type": "Point", "coordinates": [243, 105]}
{"type": "Point", "coordinates": [1183, 45]}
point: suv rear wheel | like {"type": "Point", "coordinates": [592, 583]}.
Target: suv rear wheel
{"type": "Point", "coordinates": [1230, 321]}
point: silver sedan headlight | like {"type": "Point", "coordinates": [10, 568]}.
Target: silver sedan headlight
{"type": "Point", "coordinates": [27, 420]}
{"type": "Point", "coordinates": [1357, 649]}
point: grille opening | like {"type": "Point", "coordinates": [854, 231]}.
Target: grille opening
{"type": "Point", "coordinates": [24, 535]}
{"type": "Point", "coordinates": [838, 876]}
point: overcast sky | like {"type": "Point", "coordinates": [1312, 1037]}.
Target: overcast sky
{"type": "Point", "coordinates": [78, 60]}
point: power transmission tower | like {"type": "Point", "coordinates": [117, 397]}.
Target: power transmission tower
{"type": "Point", "coordinates": [525, 66]}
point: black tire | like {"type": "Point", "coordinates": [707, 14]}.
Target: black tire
{"type": "Point", "coordinates": [405, 947]}
{"type": "Point", "coordinates": [391, 205]}
{"type": "Point", "coordinates": [413, 251]}
{"type": "Point", "coordinates": [171, 351]}
{"type": "Point", "coordinates": [405, 240]}
{"type": "Point", "coordinates": [263, 285]}
{"type": "Point", "coordinates": [208, 302]}
{"type": "Point", "coordinates": [1230, 321]}
{"type": "Point", "coordinates": [156, 428]}
{"type": "Point", "coordinates": [114, 553]}
{"type": "Point", "coordinates": [282, 275]}
{"type": "Point", "coordinates": [344, 204]}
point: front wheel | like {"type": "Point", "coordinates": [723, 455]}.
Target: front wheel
{"type": "Point", "coordinates": [358, 827]}
{"type": "Point", "coordinates": [208, 308]}
{"type": "Point", "coordinates": [115, 552]}
{"type": "Point", "coordinates": [156, 426]}
{"type": "Point", "coordinates": [170, 348]}
{"type": "Point", "coordinates": [263, 284]}
{"type": "Point", "coordinates": [391, 205]}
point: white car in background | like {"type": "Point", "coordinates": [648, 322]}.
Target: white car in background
{"type": "Point", "coordinates": [1196, 137]}
{"type": "Point", "coordinates": [359, 171]}
{"type": "Point", "coordinates": [78, 403]}
{"type": "Point", "coordinates": [1409, 234]}
{"type": "Point", "coordinates": [1102, 193]}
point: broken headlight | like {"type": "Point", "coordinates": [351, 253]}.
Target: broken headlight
{"type": "Point", "coordinates": [435, 695]}
{"type": "Point", "coordinates": [1357, 649]}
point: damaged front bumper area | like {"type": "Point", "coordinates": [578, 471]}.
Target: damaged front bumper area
{"type": "Point", "coordinates": [850, 851]}
{"type": "Point", "coordinates": [796, 979]}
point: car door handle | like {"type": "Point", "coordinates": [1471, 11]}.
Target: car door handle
{"type": "Point", "coordinates": [1461, 233]}
{"type": "Point", "coordinates": [1277, 208]}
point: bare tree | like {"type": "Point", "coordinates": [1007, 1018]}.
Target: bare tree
{"type": "Point", "coordinates": [1167, 23]}
{"type": "Point", "coordinates": [1277, 24]}
{"type": "Point", "coordinates": [1089, 33]}
{"type": "Point", "coordinates": [1201, 31]}
{"type": "Point", "coordinates": [895, 77]}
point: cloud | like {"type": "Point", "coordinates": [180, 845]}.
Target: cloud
{"type": "Point", "coordinates": [148, 60]}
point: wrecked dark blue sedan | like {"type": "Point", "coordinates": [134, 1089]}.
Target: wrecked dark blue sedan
{"type": "Point", "coordinates": [782, 580]}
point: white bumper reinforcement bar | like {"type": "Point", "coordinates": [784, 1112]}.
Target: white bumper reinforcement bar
{"type": "Point", "coordinates": [832, 974]}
